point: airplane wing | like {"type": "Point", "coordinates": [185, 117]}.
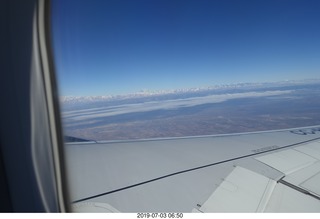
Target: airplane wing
{"type": "Point", "coordinates": [276, 171]}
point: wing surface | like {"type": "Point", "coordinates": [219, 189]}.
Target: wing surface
{"type": "Point", "coordinates": [276, 171]}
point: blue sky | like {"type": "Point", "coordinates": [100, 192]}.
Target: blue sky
{"type": "Point", "coordinates": [123, 46]}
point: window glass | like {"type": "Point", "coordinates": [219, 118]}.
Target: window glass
{"type": "Point", "coordinates": [145, 84]}
{"type": "Point", "coordinates": [151, 69]}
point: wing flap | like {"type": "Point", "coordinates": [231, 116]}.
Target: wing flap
{"type": "Point", "coordinates": [300, 165]}
{"type": "Point", "coordinates": [285, 199]}
{"type": "Point", "coordinates": [287, 161]}
{"type": "Point", "coordinates": [242, 191]}
{"type": "Point", "coordinates": [312, 184]}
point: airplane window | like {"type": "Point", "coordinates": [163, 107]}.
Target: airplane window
{"type": "Point", "coordinates": [153, 69]}
{"type": "Point", "coordinates": [132, 70]}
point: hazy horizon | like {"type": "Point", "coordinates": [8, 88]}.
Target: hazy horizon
{"type": "Point", "coordinates": [204, 87]}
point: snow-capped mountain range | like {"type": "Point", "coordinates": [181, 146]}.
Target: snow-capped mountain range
{"type": "Point", "coordinates": [156, 93]}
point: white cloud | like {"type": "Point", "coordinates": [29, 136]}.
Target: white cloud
{"type": "Point", "coordinates": [79, 115]}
